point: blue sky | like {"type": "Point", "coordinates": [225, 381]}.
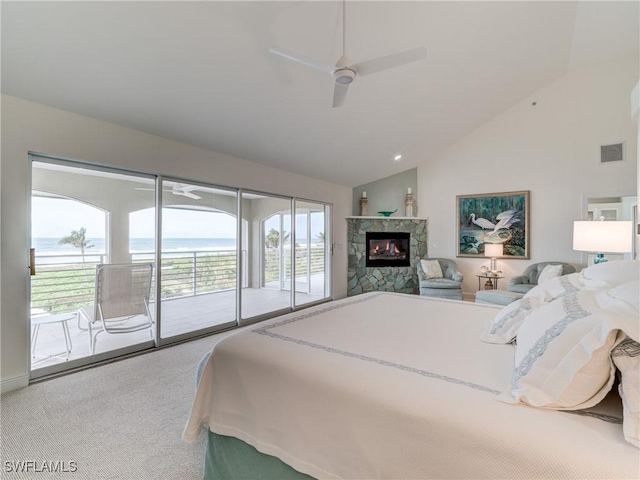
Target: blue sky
{"type": "Point", "coordinates": [58, 217]}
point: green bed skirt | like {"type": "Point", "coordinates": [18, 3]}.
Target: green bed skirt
{"type": "Point", "coordinates": [228, 458]}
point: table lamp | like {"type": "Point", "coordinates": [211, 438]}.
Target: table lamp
{"type": "Point", "coordinates": [493, 250]}
{"type": "Point", "coordinates": [599, 237]}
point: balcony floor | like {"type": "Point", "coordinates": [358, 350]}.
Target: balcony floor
{"type": "Point", "coordinates": [179, 316]}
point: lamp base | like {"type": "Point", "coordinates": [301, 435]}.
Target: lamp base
{"type": "Point", "coordinates": [600, 258]}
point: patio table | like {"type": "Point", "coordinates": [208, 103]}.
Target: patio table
{"type": "Point", "coordinates": [62, 319]}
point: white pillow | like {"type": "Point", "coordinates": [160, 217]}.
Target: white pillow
{"type": "Point", "coordinates": [505, 326]}
{"type": "Point", "coordinates": [549, 272]}
{"type": "Point", "coordinates": [626, 357]}
{"type": "Point", "coordinates": [610, 274]}
{"type": "Point", "coordinates": [627, 292]}
{"type": "Point", "coordinates": [562, 358]}
{"type": "Point", "coordinates": [556, 287]}
{"type": "Point", "coordinates": [431, 268]}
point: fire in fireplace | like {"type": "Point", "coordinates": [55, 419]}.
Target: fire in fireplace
{"type": "Point", "coordinates": [388, 249]}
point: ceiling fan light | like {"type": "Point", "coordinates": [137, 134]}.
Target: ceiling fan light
{"type": "Point", "coordinates": [344, 76]}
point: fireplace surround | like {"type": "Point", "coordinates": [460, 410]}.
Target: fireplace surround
{"type": "Point", "coordinates": [400, 279]}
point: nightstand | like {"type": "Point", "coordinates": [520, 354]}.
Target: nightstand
{"type": "Point", "coordinates": [491, 283]}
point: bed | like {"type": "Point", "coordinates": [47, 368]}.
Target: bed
{"type": "Point", "coordinates": [387, 385]}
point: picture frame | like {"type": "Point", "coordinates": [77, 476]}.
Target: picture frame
{"type": "Point", "coordinates": [486, 218]}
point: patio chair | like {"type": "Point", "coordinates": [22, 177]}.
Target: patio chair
{"type": "Point", "coordinates": [121, 301]}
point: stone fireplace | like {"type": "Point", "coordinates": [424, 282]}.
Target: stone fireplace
{"type": "Point", "coordinates": [383, 252]}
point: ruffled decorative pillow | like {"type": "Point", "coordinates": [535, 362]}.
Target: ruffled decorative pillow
{"type": "Point", "coordinates": [572, 332]}
{"type": "Point", "coordinates": [505, 326]}
{"type": "Point", "coordinates": [431, 268]}
{"type": "Point", "coordinates": [562, 358]}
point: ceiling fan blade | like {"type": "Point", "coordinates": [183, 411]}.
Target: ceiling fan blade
{"type": "Point", "coordinates": [339, 94]}
{"type": "Point", "coordinates": [390, 61]}
{"type": "Point", "coordinates": [184, 187]}
{"type": "Point", "coordinates": [303, 60]}
{"type": "Point", "coordinates": [150, 189]}
{"type": "Point", "coordinates": [187, 194]}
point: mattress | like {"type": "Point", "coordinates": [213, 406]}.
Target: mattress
{"type": "Point", "coordinates": [396, 386]}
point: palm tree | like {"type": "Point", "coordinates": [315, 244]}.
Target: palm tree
{"type": "Point", "coordinates": [78, 239]}
{"type": "Point", "coordinates": [272, 239]}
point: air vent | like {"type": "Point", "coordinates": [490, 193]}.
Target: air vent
{"type": "Point", "coordinates": [612, 153]}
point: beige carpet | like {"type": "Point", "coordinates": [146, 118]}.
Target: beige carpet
{"type": "Point", "coordinates": [123, 420]}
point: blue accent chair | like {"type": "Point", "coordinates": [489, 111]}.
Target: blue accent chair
{"type": "Point", "coordinates": [450, 286]}
{"type": "Point", "coordinates": [529, 278]}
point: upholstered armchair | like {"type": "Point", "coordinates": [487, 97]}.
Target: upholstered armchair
{"type": "Point", "coordinates": [448, 285]}
{"type": "Point", "coordinates": [529, 279]}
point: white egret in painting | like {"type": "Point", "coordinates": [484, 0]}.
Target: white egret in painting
{"type": "Point", "coordinates": [482, 222]}
{"type": "Point", "coordinates": [505, 220]}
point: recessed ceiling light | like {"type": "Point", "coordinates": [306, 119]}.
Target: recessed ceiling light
{"type": "Point", "coordinates": [397, 158]}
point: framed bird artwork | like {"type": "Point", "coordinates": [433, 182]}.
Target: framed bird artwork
{"type": "Point", "coordinates": [501, 218]}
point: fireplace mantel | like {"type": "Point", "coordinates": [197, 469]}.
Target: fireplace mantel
{"type": "Point", "coordinates": [360, 278]}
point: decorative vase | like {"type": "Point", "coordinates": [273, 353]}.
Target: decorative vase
{"type": "Point", "coordinates": [364, 207]}
{"type": "Point", "coordinates": [409, 205]}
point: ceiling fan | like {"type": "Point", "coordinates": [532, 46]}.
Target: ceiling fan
{"type": "Point", "coordinates": [179, 189]}
{"type": "Point", "coordinates": [344, 72]}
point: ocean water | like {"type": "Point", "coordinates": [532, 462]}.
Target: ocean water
{"type": "Point", "coordinates": [50, 246]}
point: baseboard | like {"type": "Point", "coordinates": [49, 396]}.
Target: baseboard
{"type": "Point", "coordinates": [339, 295]}
{"type": "Point", "coordinates": [14, 383]}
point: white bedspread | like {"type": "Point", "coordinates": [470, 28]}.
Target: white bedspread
{"type": "Point", "coordinates": [396, 386]}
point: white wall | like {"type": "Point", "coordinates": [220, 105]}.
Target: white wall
{"type": "Point", "coordinates": [551, 149]}
{"type": "Point", "coordinates": [388, 194]}
{"type": "Point", "coordinates": [28, 126]}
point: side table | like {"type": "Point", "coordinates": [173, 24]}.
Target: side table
{"type": "Point", "coordinates": [62, 319]}
{"type": "Point", "coordinates": [491, 279]}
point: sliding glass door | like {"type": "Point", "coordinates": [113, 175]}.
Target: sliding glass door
{"type": "Point", "coordinates": [199, 266]}
{"type": "Point", "coordinates": [80, 220]}
{"type": "Point", "coordinates": [311, 252]}
{"type": "Point", "coordinates": [268, 260]}
{"type": "Point", "coordinates": [220, 257]}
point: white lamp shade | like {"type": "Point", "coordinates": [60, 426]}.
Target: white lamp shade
{"type": "Point", "coordinates": [598, 236]}
{"type": "Point", "coordinates": [493, 250]}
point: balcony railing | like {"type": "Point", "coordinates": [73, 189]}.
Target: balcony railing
{"type": "Point", "coordinates": [66, 282]}
{"type": "Point", "coordinates": [314, 264]}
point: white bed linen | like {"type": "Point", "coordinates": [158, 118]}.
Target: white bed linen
{"type": "Point", "coordinates": [396, 386]}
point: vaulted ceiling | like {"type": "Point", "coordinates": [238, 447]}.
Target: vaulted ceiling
{"type": "Point", "coordinates": [201, 72]}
